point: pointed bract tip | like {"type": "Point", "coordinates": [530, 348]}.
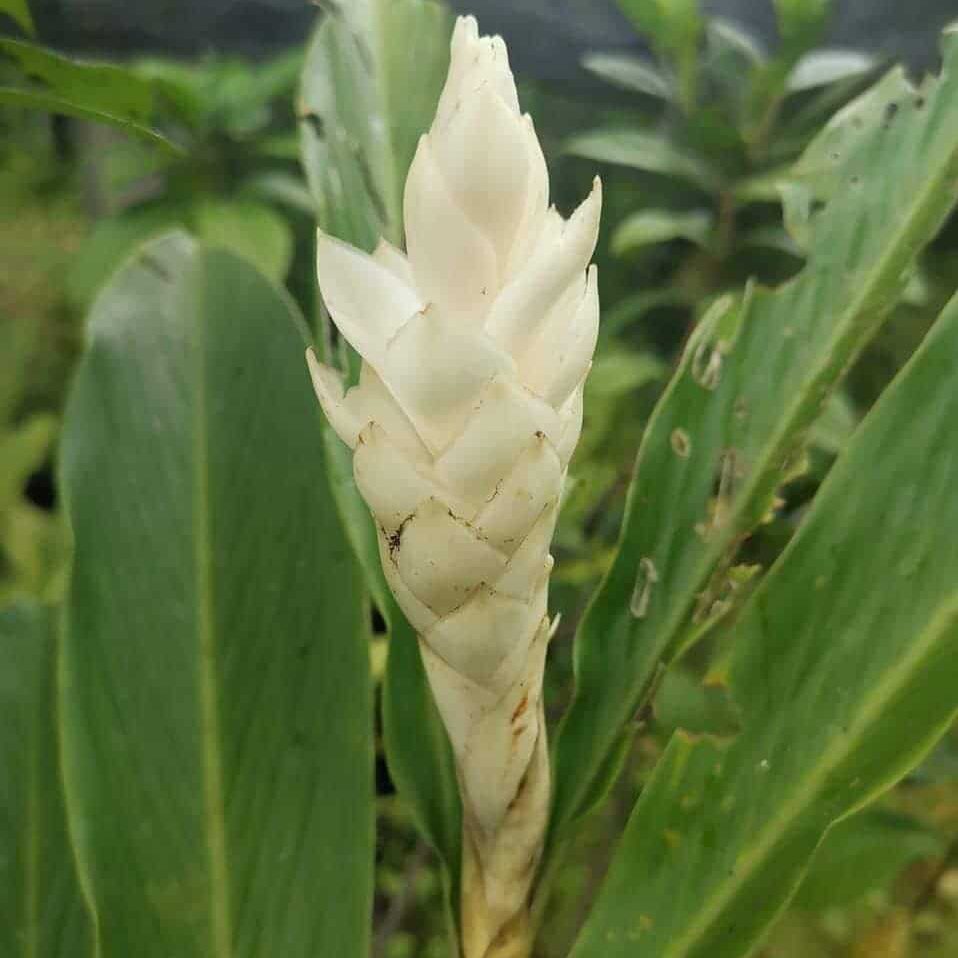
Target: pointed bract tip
{"type": "Point", "coordinates": [585, 218]}
{"type": "Point", "coordinates": [466, 29]}
{"type": "Point", "coordinates": [327, 382]}
{"type": "Point", "coordinates": [324, 242]}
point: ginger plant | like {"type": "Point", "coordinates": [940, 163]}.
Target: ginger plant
{"type": "Point", "coordinates": [475, 349]}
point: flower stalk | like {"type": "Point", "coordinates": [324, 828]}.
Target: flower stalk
{"type": "Point", "coordinates": [475, 345]}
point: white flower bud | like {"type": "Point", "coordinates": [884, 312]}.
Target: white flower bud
{"type": "Point", "coordinates": [475, 349]}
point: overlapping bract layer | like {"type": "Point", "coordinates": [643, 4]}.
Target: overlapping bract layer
{"type": "Point", "coordinates": [475, 348]}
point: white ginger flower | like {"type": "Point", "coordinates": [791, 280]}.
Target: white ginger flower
{"type": "Point", "coordinates": [475, 349]}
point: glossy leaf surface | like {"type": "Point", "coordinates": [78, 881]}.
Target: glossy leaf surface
{"type": "Point", "coordinates": [215, 688]}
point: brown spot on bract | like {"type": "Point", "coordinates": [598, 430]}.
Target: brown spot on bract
{"type": "Point", "coordinates": [519, 791]}
{"type": "Point", "coordinates": [520, 708]}
{"type": "Point", "coordinates": [394, 539]}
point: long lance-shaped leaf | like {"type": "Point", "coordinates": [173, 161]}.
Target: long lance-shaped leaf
{"type": "Point", "coordinates": [844, 668]}
{"type": "Point", "coordinates": [101, 92]}
{"type": "Point", "coordinates": [370, 85]}
{"type": "Point", "coordinates": [873, 189]}
{"type": "Point", "coordinates": [371, 81]}
{"type": "Point", "coordinates": [215, 685]}
{"type": "Point", "coordinates": [42, 910]}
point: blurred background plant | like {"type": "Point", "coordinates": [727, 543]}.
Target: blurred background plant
{"type": "Point", "coordinates": [693, 134]}
{"type": "Point", "coordinates": [231, 175]}
{"type": "Point", "coordinates": [694, 155]}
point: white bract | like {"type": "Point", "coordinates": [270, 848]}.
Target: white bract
{"type": "Point", "coordinates": [475, 348]}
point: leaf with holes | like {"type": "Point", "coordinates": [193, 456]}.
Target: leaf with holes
{"type": "Point", "coordinates": [216, 696]}
{"type": "Point", "coordinates": [844, 672]}
{"type": "Point", "coordinates": [878, 182]}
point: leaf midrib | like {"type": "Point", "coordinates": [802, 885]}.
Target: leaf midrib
{"type": "Point", "coordinates": [895, 680]}
{"type": "Point", "coordinates": [211, 757]}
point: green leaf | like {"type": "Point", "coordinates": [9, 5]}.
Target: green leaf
{"type": "Point", "coordinates": [282, 188]}
{"type": "Point", "coordinates": [671, 24]}
{"type": "Point", "coordinates": [650, 227]}
{"type": "Point", "coordinates": [19, 342]}
{"type": "Point", "coordinates": [817, 106]}
{"type": "Point", "coordinates": [34, 553]}
{"type": "Point", "coordinates": [30, 540]}
{"type": "Point", "coordinates": [762, 187]}
{"type": "Point", "coordinates": [863, 853]}
{"type": "Point", "coordinates": [674, 28]}
{"type": "Point", "coordinates": [824, 67]}
{"type": "Point", "coordinates": [112, 240]}
{"type": "Point", "coordinates": [22, 450]}
{"type": "Point", "coordinates": [370, 85]}
{"type": "Point", "coordinates": [19, 12]}
{"type": "Point", "coordinates": [42, 912]}
{"type": "Point", "coordinates": [216, 696]}
{"type": "Point", "coordinates": [29, 99]}
{"type": "Point", "coordinates": [800, 24]}
{"type": "Point", "coordinates": [735, 65]}
{"type": "Point", "coordinates": [648, 152]}
{"type": "Point", "coordinates": [92, 91]}
{"type": "Point", "coordinates": [97, 86]}
{"type": "Point", "coordinates": [252, 230]}
{"type": "Point", "coordinates": [751, 382]}
{"type": "Point", "coordinates": [844, 671]}
{"type": "Point", "coordinates": [630, 309]}
{"type": "Point", "coordinates": [729, 43]}
{"type": "Point", "coordinates": [834, 427]}
{"type": "Point", "coordinates": [685, 702]}
{"type": "Point", "coordinates": [772, 238]}
{"type": "Point", "coordinates": [630, 73]}
{"type": "Point", "coordinates": [619, 370]}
